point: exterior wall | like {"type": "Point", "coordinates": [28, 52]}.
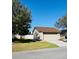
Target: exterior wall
{"type": "Point", "coordinates": [35, 34]}
{"type": "Point", "coordinates": [51, 37]}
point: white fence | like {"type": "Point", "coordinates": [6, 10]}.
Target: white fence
{"type": "Point", "coordinates": [28, 37]}
{"type": "Point", "coordinates": [24, 37]}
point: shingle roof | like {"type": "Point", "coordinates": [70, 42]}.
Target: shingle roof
{"type": "Point", "coordinates": [47, 29]}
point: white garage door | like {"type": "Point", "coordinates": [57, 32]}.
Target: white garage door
{"type": "Point", "coordinates": [51, 37]}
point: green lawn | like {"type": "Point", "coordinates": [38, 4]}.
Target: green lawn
{"type": "Point", "coordinates": [32, 46]}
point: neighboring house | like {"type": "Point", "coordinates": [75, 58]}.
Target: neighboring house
{"type": "Point", "coordinates": [63, 35]}
{"type": "Point", "coordinates": [46, 33]}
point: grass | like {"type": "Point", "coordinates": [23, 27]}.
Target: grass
{"type": "Point", "coordinates": [32, 46]}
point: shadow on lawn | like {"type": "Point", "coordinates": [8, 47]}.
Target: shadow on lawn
{"type": "Point", "coordinates": [15, 40]}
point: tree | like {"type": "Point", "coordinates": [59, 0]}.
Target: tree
{"type": "Point", "coordinates": [21, 18]}
{"type": "Point", "coordinates": [62, 22]}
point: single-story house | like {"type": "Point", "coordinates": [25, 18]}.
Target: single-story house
{"type": "Point", "coordinates": [46, 33]}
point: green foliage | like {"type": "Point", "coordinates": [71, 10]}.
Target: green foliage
{"type": "Point", "coordinates": [62, 22]}
{"type": "Point", "coordinates": [21, 18]}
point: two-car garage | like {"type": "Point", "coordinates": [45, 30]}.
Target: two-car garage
{"type": "Point", "coordinates": [51, 37]}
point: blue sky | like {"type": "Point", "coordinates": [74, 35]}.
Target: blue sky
{"type": "Point", "coordinates": [45, 12]}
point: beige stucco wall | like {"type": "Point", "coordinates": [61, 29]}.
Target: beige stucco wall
{"type": "Point", "coordinates": [51, 37]}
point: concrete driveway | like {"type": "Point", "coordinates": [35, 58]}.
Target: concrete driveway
{"type": "Point", "coordinates": [57, 42]}
{"type": "Point", "coordinates": [50, 53]}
